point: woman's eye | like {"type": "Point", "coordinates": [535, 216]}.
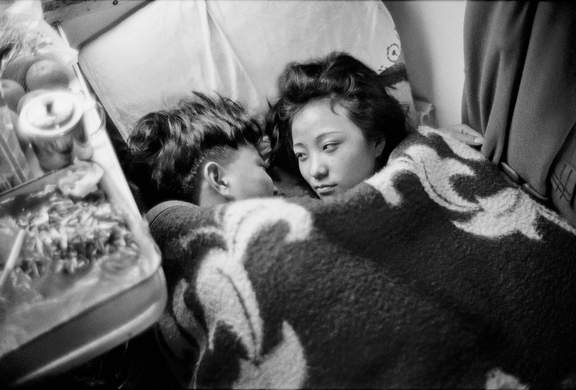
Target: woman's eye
{"type": "Point", "coordinates": [329, 147]}
{"type": "Point", "coordinates": [300, 156]}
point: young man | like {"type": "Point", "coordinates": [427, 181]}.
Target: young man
{"type": "Point", "coordinates": [206, 151]}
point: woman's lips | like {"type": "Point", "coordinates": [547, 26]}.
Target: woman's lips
{"type": "Point", "coordinates": [326, 189]}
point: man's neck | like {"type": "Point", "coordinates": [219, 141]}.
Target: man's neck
{"type": "Point", "coordinates": [209, 198]}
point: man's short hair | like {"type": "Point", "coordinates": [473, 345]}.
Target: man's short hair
{"type": "Point", "coordinates": [168, 147]}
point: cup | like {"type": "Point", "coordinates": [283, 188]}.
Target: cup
{"type": "Point", "coordinates": [53, 122]}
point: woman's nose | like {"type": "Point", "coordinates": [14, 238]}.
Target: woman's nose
{"type": "Point", "coordinates": [318, 168]}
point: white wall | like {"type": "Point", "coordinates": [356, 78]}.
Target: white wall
{"type": "Point", "coordinates": [432, 38]}
{"type": "Point", "coordinates": [81, 21]}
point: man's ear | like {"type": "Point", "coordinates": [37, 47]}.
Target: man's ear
{"type": "Point", "coordinates": [215, 176]}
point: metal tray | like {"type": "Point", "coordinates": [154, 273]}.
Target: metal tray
{"type": "Point", "coordinates": [94, 314]}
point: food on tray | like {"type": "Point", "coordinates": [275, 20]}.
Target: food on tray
{"type": "Point", "coordinates": [79, 181]}
{"type": "Point", "coordinates": [70, 227]}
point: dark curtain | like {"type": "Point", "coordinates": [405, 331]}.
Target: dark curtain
{"type": "Point", "coordinates": [520, 82]}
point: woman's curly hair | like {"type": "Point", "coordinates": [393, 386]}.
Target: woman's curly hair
{"type": "Point", "coordinates": [345, 81]}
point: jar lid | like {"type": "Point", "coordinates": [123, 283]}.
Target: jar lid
{"type": "Point", "coordinates": [50, 114]}
{"type": "Point", "coordinates": [50, 111]}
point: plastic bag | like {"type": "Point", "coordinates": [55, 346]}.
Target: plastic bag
{"type": "Point", "coordinates": [14, 166]}
{"type": "Point", "coordinates": [25, 33]}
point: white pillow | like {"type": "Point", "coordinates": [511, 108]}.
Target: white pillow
{"type": "Point", "coordinates": [169, 48]}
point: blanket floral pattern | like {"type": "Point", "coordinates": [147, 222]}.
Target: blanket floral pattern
{"type": "Point", "coordinates": [435, 272]}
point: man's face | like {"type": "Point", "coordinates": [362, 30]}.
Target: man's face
{"type": "Point", "coordinates": [247, 177]}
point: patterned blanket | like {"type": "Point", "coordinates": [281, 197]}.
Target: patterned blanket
{"type": "Point", "coordinates": [435, 272]}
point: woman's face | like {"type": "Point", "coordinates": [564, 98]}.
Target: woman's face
{"type": "Point", "coordinates": [333, 153]}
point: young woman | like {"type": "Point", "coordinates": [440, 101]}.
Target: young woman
{"type": "Point", "coordinates": [334, 123]}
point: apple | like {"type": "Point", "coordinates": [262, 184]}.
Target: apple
{"type": "Point", "coordinates": [12, 92]}
{"type": "Point", "coordinates": [48, 74]}
{"type": "Point", "coordinates": [16, 69]}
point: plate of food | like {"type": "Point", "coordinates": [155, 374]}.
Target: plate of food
{"type": "Point", "coordinates": [79, 273]}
